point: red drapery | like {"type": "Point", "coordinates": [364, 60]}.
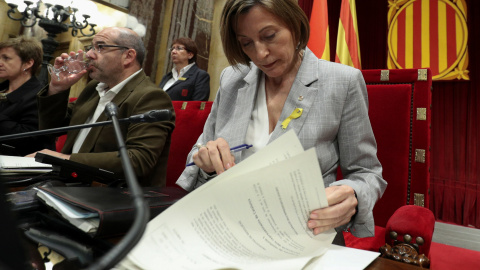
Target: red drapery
{"type": "Point", "coordinates": [455, 166]}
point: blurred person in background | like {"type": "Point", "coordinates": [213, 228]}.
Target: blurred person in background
{"type": "Point", "coordinates": [20, 58]}
{"type": "Point", "coordinates": [186, 81]}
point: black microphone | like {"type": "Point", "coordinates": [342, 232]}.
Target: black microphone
{"type": "Point", "coordinates": [148, 117]}
{"type": "Point", "coordinates": [151, 116]}
{"type": "Point", "coordinates": [121, 249]}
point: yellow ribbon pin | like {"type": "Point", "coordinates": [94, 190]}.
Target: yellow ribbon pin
{"type": "Point", "coordinates": [295, 114]}
{"type": "Point", "coordinates": [182, 78]}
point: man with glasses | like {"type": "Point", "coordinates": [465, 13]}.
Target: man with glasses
{"type": "Point", "coordinates": [115, 65]}
{"type": "Point", "coordinates": [186, 81]}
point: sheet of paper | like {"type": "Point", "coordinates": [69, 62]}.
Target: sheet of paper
{"type": "Point", "coordinates": [244, 220]}
{"type": "Point", "coordinates": [9, 162]}
{"type": "Point", "coordinates": [14, 164]}
{"type": "Point", "coordinates": [343, 258]}
{"type": "Point", "coordinates": [284, 147]}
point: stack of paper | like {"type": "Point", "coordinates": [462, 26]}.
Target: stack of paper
{"type": "Point", "coordinates": [13, 165]}
{"type": "Point", "coordinates": [253, 216]}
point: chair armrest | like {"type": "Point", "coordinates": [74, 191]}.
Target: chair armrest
{"type": "Point", "coordinates": [408, 235]}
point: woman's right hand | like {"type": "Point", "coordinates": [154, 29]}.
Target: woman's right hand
{"type": "Point", "coordinates": [214, 156]}
{"type": "Point", "coordinates": [66, 80]}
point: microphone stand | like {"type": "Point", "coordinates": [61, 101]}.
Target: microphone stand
{"type": "Point", "coordinates": [120, 250]}
{"type": "Point", "coordinates": [61, 129]}
{"type": "Point", "coordinates": [66, 168]}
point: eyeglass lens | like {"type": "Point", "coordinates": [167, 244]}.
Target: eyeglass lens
{"type": "Point", "coordinates": [177, 48]}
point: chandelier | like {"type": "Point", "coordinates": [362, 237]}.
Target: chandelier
{"type": "Point", "coordinates": [55, 17]}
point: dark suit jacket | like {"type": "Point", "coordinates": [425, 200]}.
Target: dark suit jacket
{"type": "Point", "coordinates": [19, 114]}
{"type": "Point", "coordinates": [147, 144]}
{"type": "Point", "coordinates": [195, 86]}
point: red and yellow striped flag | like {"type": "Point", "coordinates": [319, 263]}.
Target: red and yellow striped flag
{"type": "Point", "coordinates": [348, 45]}
{"type": "Point", "coordinates": [319, 41]}
{"type": "Point", "coordinates": [433, 34]}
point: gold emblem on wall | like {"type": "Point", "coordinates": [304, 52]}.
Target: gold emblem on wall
{"type": "Point", "coordinates": [429, 34]}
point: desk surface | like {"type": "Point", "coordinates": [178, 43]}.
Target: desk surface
{"type": "Point", "coordinates": [383, 263]}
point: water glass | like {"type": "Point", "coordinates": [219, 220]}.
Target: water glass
{"type": "Point", "coordinates": [71, 65]}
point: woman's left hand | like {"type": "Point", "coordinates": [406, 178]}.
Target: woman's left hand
{"type": "Point", "coordinates": [342, 206]}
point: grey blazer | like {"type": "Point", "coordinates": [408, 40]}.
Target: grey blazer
{"type": "Point", "coordinates": [335, 121]}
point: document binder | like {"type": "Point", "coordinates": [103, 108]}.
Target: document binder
{"type": "Point", "coordinates": [114, 206]}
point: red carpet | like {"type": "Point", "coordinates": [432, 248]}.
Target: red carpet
{"type": "Point", "coordinates": [442, 257]}
{"type": "Point", "coordinates": [445, 257]}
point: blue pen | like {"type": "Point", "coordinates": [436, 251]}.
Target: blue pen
{"type": "Point", "coordinates": [234, 149]}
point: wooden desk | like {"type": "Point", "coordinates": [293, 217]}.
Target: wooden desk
{"type": "Point", "coordinates": [383, 263]}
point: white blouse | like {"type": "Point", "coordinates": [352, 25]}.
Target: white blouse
{"type": "Point", "coordinates": [258, 129]}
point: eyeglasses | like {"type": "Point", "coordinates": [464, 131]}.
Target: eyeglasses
{"type": "Point", "coordinates": [177, 48]}
{"type": "Point", "coordinates": [99, 47]}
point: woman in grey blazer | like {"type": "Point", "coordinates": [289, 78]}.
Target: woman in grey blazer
{"type": "Point", "coordinates": [272, 73]}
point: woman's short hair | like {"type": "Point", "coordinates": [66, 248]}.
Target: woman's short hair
{"type": "Point", "coordinates": [190, 46]}
{"type": "Point", "coordinates": [286, 10]}
{"type": "Point", "coordinates": [27, 49]}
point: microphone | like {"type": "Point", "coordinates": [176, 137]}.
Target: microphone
{"type": "Point", "coordinates": [111, 109]}
{"type": "Point", "coordinates": [121, 249]}
{"type": "Point", "coordinates": [151, 116]}
{"type": "Point", "coordinates": [148, 117]}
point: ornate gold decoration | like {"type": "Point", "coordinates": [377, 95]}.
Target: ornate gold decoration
{"type": "Point", "coordinates": [420, 155]}
{"type": "Point", "coordinates": [385, 75]}
{"type": "Point", "coordinates": [419, 199]}
{"type": "Point", "coordinates": [422, 74]}
{"type": "Point", "coordinates": [421, 113]}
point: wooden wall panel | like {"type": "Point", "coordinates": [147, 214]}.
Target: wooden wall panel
{"type": "Point", "coordinates": [167, 20]}
{"type": "Point", "coordinates": [193, 19]}
{"type": "Point", "coordinates": [150, 13]}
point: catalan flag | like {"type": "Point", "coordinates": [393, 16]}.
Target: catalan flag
{"type": "Point", "coordinates": [348, 45]}
{"type": "Point", "coordinates": [428, 33]}
{"type": "Point", "coordinates": [319, 41]}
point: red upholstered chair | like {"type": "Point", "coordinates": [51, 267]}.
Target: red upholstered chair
{"type": "Point", "coordinates": [400, 113]}
{"type": "Point", "coordinates": [408, 235]}
{"type": "Point", "coordinates": [189, 121]}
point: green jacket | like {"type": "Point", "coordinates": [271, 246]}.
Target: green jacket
{"type": "Point", "coordinates": [148, 144]}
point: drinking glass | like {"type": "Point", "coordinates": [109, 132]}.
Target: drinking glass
{"type": "Point", "coordinates": [72, 65]}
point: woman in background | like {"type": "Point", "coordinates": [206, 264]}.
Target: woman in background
{"type": "Point", "coordinates": [20, 58]}
{"type": "Point", "coordinates": [186, 81]}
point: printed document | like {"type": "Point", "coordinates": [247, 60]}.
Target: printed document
{"type": "Point", "coordinates": [253, 216]}
{"type": "Point", "coordinates": [15, 164]}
